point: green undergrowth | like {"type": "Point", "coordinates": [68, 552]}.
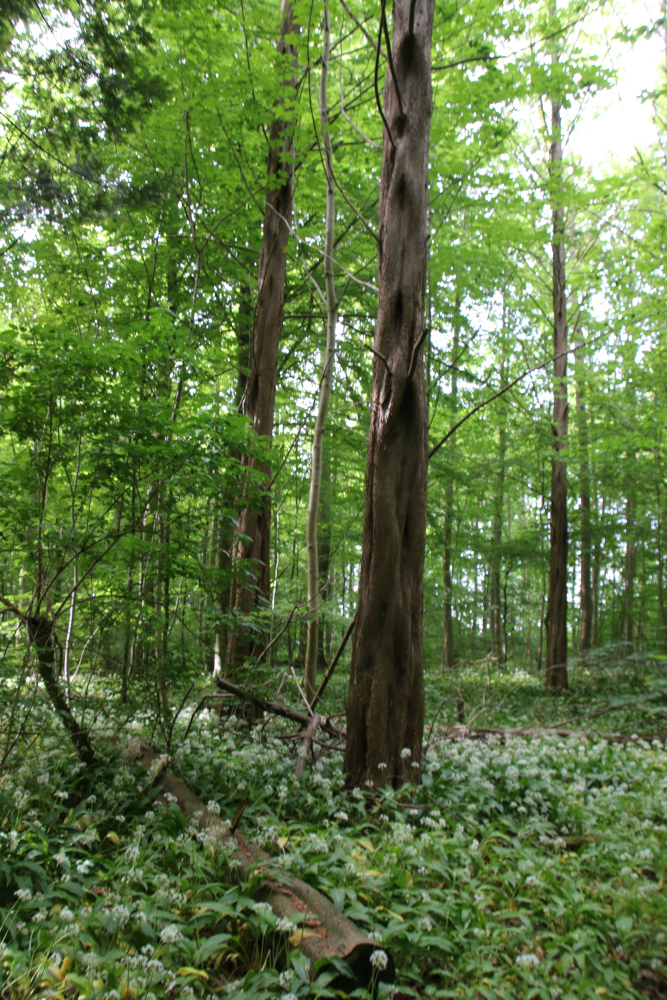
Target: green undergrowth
{"type": "Point", "coordinates": [520, 867]}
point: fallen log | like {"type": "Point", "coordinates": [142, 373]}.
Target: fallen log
{"type": "Point", "coordinates": [275, 708]}
{"type": "Point", "coordinates": [323, 932]}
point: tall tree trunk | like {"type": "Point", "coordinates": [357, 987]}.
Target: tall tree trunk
{"type": "Point", "coordinates": [385, 711]}
{"type": "Point", "coordinates": [324, 558]}
{"type": "Point", "coordinates": [556, 659]}
{"type": "Point", "coordinates": [310, 673]}
{"type": "Point", "coordinates": [660, 559]}
{"type": "Point", "coordinates": [629, 575]}
{"type": "Point", "coordinates": [253, 537]}
{"type": "Point", "coordinates": [225, 536]}
{"type": "Point", "coordinates": [586, 588]}
{"type": "Point", "coordinates": [448, 630]}
{"type": "Point", "coordinates": [496, 617]}
{"type": "Point", "coordinates": [41, 632]}
{"type": "Point", "coordinates": [595, 579]}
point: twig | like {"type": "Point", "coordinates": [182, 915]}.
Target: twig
{"type": "Point", "coordinates": [282, 631]}
{"type": "Point", "coordinates": [199, 705]}
{"type": "Point", "coordinates": [332, 665]}
{"type": "Point", "coordinates": [305, 700]}
{"type": "Point", "coordinates": [415, 351]}
{"type": "Point", "coordinates": [378, 355]}
{"type": "Point", "coordinates": [274, 708]}
{"type": "Point", "coordinates": [307, 744]}
{"type": "Point", "coordinates": [501, 392]}
{"type": "Point", "coordinates": [176, 715]}
{"type": "Point", "coordinates": [438, 710]}
{"type": "Point", "coordinates": [375, 82]}
{"type": "Point", "coordinates": [360, 26]}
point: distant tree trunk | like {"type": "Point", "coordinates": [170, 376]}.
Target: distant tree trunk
{"type": "Point", "coordinates": [586, 588]}
{"type": "Point", "coordinates": [595, 583]}
{"type": "Point", "coordinates": [310, 674]}
{"type": "Point", "coordinates": [253, 538]}
{"type": "Point", "coordinates": [496, 616]}
{"type": "Point", "coordinates": [629, 576]}
{"type": "Point", "coordinates": [385, 711]}
{"type": "Point", "coordinates": [660, 559]}
{"type": "Point", "coordinates": [556, 659]}
{"type": "Point", "coordinates": [225, 533]}
{"type": "Point", "coordinates": [448, 647]}
{"type": "Point", "coordinates": [324, 557]}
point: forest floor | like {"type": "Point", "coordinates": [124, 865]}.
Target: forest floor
{"type": "Point", "coordinates": [525, 864]}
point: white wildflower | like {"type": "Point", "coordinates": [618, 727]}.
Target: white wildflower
{"type": "Point", "coordinates": [170, 934]}
{"type": "Point", "coordinates": [527, 960]}
{"type": "Point", "coordinates": [379, 959]}
{"type": "Point", "coordinates": [286, 925]}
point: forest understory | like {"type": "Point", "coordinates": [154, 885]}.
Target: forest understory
{"type": "Point", "coordinates": [525, 864]}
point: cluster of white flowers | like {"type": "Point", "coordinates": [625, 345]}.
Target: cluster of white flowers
{"type": "Point", "coordinates": [379, 959]}
{"type": "Point", "coordinates": [527, 960]}
{"type": "Point", "coordinates": [285, 924]}
{"type": "Point", "coordinates": [170, 934]}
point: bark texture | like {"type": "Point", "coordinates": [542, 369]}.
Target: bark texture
{"type": "Point", "coordinates": [253, 538]}
{"type": "Point", "coordinates": [310, 672]}
{"type": "Point", "coordinates": [41, 634]}
{"type": "Point", "coordinates": [385, 711]}
{"type": "Point", "coordinates": [556, 659]}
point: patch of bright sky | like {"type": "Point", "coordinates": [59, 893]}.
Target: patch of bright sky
{"type": "Point", "coordinates": [618, 121]}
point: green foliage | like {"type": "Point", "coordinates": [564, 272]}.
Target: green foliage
{"type": "Point", "coordinates": [522, 864]}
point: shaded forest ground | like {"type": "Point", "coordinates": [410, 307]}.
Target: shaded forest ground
{"type": "Point", "coordinates": [523, 865]}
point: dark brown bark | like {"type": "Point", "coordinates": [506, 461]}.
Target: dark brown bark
{"type": "Point", "coordinates": [385, 711]}
{"type": "Point", "coordinates": [586, 542]}
{"type": "Point", "coordinates": [448, 629]}
{"type": "Point", "coordinates": [253, 539]}
{"type": "Point", "coordinates": [556, 658]}
{"type": "Point", "coordinates": [41, 634]}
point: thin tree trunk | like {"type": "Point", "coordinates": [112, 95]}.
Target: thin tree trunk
{"type": "Point", "coordinates": [556, 659]}
{"type": "Point", "coordinates": [310, 673]}
{"type": "Point", "coordinates": [660, 559]}
{"type": "Point", "coordinates": [253, 538]}
{"type": "Point", "coordinates": [324, 559]}
{"type": "Point", "coordinates": [448, 631]}
{"type": "Point", "coordinates": [41, 633]}
{"type": "Point", "coordinates": [385, 711]}
{"type": "Point", "coordinates": [496, 617]}
{"type": "Point", "coordinates": [223, 585]}
{"type": "Point", "coordinates": [595, 582]}
{"type": "Point", "coordinates": [629, 576]}
{"type": "Point", "coordinates": [586, 590]}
